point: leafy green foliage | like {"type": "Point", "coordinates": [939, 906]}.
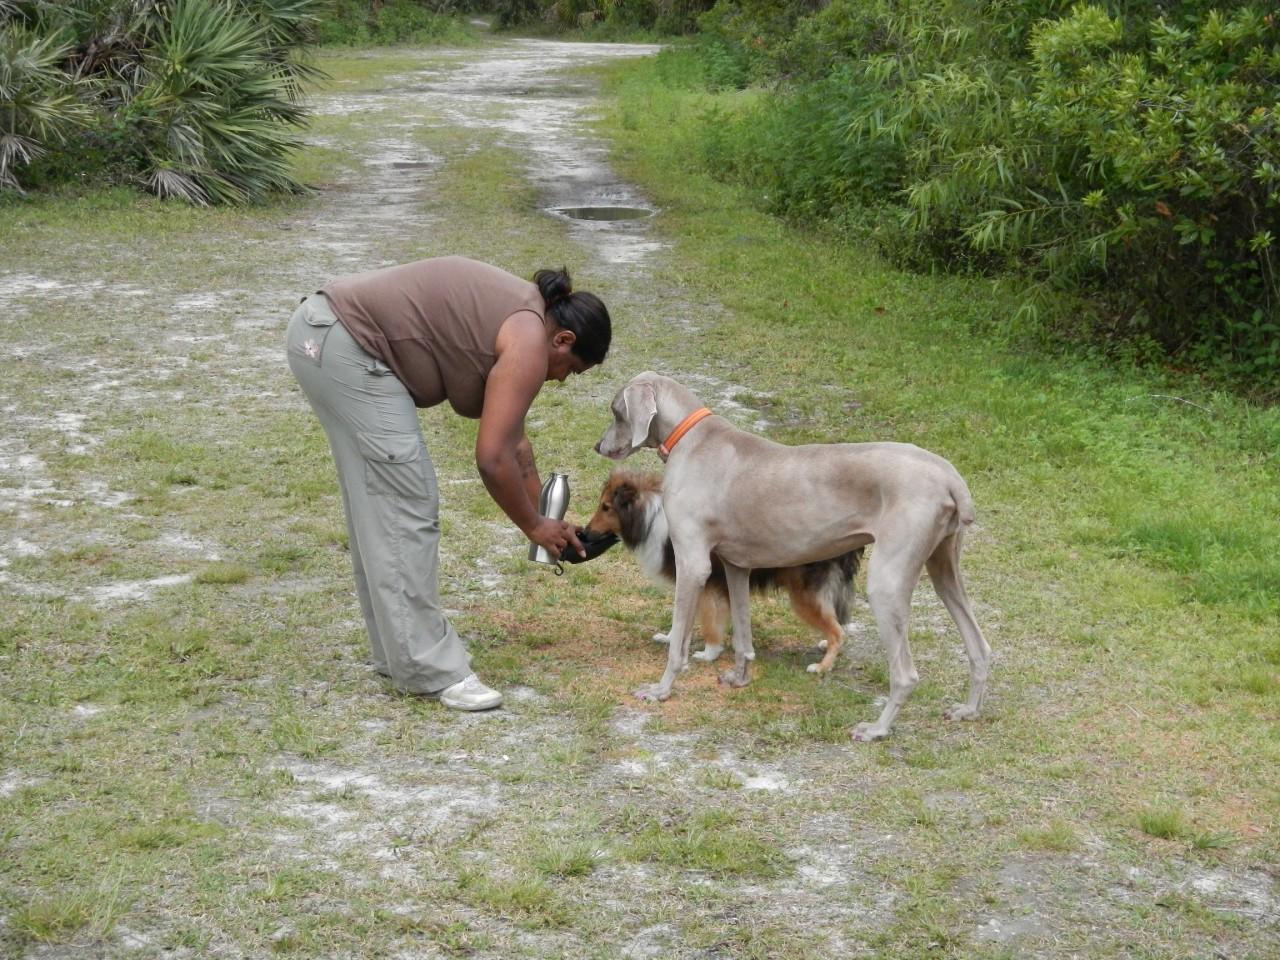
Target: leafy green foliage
{"type": "Point", "coordinates": [664, 16]}
{"type": "Point", "coordinates": [38, 106]}
{"type": "Point", "coordinates": [795, 149]}
{"type": "Point", "coordinates": [1163, 193]}
{"type": "Point", "coordinates": [1126, 152]}
{"type": "Point", "coordinates": [357, 22]}
{"type": "Point", "coordinates": [195, 99]}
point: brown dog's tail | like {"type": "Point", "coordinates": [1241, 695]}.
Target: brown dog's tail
{"type": "Point", "coordinates": [840, 582]}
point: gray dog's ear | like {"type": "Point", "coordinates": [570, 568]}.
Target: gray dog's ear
{"type": "Point", "coordinates": [642, 407]}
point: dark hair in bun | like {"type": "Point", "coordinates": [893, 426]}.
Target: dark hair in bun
{"type": "Point", "coordinates": [582, 313]}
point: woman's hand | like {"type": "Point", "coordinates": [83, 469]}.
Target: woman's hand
{"type": "Point", "coordinates": [554, 535]}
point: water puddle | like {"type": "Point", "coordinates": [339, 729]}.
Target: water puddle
{"type": "Point", "coordinates": [603, 213]}
{"type": "Point", "coordinates": [525, 92]}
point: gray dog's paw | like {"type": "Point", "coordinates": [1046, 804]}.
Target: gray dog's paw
{"type": "Point", "coordinates": [653, 693]}
{"type": "Point", "coordinates": [960, 711]}
{"type": "Point", "coordinates": [867, 732]}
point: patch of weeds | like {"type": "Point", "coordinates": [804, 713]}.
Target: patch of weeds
{"type": "Point", "coordinates": [159, 457]}
{"type": "Point", "coordinates": [921, 814]}
{"type": "Point", "coordinates": [1057, 835]}
{"type": "Point", "coordinates": [1164, 822]}
{"type": "Point", "coordinates": [570, 753]}
{"type": "Point", "coordinates": [718, 778]}
{"type": "Point", "coordinates": [52, 920]}
{"type": "Point", "coordinates": [707, 842]}
{"type": "Point", "coordinates": [455, 937]}
{"type": "Point", "coordinates": [166, 834]}
{"type": "Point", "coordinates": [748, 940]}
{"type": "Point", "coordinates": [282, 559]}
{"type": "Point", "coordinates": [221, 573]}
{"type": "Point", "coordinates": [294, 734]}
{"type": "Point", "coordinates": [925, 758]}
{"type": "Point", "coordinates": [63, 918]}
{"type": "Point", "coordinates": [592, 710]}
{"type": "Point", "coordinates": [290, 884]}
{"type": "Point", "coordinates": [1259, 680]}
{"type": "Point", "coordinates": [140, 532]}
{"type": "Point", "coordinates": [922, 929]}
{"type": "Point", "coordinates": [528, 901]}
{"type": "Point", "coordinates": [187, 938]}
{"type": "Point", "coordinates": [567, 858]}
{"type": "Point", "coordinates": [265, 787]}
{"type": "Point", "coordinates": [1192, 909]}
{"type": "Point", "coordinates": [347, 793]}
{"type": "Point", "coordinates": [68, 763]}
{"type": "Point", "coordinates": [1063, 770]}
{"type": "Point", "coordinates": [1213, 841]}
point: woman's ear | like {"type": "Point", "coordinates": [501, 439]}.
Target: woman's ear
{"type": "Point", "coordinates": [564, 338]}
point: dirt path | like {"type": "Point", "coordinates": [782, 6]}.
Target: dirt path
{"type": "Point", "coordinates": [201, 765]}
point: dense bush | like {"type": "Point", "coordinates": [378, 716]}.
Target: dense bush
{"type": "Point", "coordinates": [196, 99]}
{"type": "Point", "coordinates": [663, 16]}
{"type": "Point", "coordinates": [795, 149]}
{"type": "Point", "coordinates": [1159, 187]}
{"type": "Point", "coordinates": [39, 108]}
{"type": "Point", "coordinates": [358, 22]}
{"type": "Point", "coordinates": [1127, 151]}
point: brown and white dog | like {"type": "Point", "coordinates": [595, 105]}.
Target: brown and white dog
{"type": "Point", "coordinates": [630, 507]}
{"type": "Point", "coordinates": [754, 503]}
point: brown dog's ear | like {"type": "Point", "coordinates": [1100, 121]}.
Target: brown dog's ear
{"type": "Point", "coordinates": [642, 408]}
{"type": "Point", "coordinates": [625, 495]}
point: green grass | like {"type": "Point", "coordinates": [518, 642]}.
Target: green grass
{"type": "Point", "coordinates": [560, 858]}
{"type": "Point", "coordinates": [1057, 835]}
{"type": "Point", "coordinates": [529, 901]}
{"type": "Point", "coordinates": [707, 842]}
{"type": "Point", "coordinates": [1163, 822]}
{"type": "Point", "coordinates": [223, 574]}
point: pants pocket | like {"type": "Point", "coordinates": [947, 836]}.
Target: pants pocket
{"type": "Point", "coordinates": [394, 465]}
{"type": "Point", "coordinates": [309, 328]}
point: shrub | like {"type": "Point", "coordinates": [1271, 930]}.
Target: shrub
{"type": "Point", "coordinates": [1155, 185]}
{"type": "Point", "coordinates": [38, 103]}
{"type": "Point", "coordinates": [196, 99]}
{"type": "Point", "coordinates": [795, 150]}
{"type": "Point", "coordinates": [358, 22]}
{"type": "Point", "coordinates": [664, 16]}
{"type": "Point", "coordinates": [1125, 153]}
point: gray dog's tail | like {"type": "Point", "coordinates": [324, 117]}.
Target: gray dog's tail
{"type": "Point", "coordinates": [963, 501]}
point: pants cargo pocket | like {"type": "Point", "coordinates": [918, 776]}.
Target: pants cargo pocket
{"type": "Point", "coordinates": [395, 466]}
{"type": "Point", "coordinates": [309, 328]}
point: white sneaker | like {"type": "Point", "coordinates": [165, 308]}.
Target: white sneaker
{"type": "Point", "coordinates": [470, 694]}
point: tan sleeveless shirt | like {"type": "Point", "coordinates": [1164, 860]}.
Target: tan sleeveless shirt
{"type": "Point", "coordinates": [434, 323]}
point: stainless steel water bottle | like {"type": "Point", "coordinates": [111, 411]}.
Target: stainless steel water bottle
{"type": "Point", "coordinates": [553, 502]}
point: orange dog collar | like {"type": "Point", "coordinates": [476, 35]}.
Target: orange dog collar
{"type": "Point", "coordinates": [683, 427]}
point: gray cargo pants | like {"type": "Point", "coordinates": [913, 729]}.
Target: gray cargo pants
{"type": "Point", "coordinates": [389, 495]}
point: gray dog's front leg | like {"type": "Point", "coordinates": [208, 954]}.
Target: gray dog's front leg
{"type": "Point", "coordinates": [690, 579]}
{"type": "Point", "coordinates": [738, 581]}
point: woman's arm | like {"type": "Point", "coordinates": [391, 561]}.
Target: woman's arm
{"type": "Point", "coordinates": [504, 456]}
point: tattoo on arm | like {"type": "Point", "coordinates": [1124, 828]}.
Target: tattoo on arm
{"type": "Point", "coordinates": [524, 457]}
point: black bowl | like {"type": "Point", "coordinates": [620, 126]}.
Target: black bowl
{"type": "Point", "coordinates": [594, 543]}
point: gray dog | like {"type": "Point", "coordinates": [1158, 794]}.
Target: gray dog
{"type": "Point", "coordinates": [755, 503]}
